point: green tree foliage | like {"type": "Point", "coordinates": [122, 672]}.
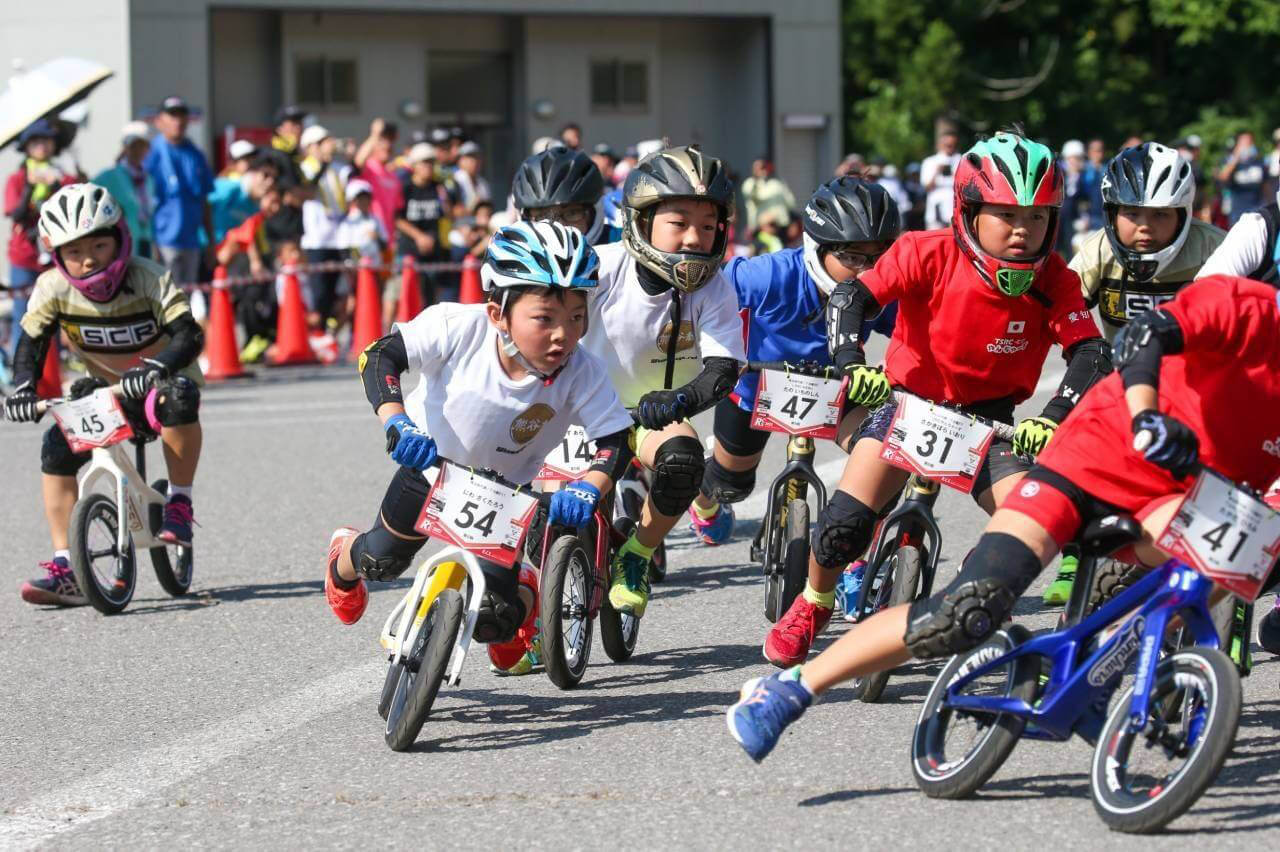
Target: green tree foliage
{"type": "Point", "coordinates": [1063, 68]}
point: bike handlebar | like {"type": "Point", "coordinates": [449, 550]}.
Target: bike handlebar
{"type": "Point", "coordinates": [804, 368]}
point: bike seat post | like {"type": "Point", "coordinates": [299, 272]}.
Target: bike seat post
{"type": "Point", "coordinates": [1079, 600]}
{"type": "Point", "coordinates": [140, 459]}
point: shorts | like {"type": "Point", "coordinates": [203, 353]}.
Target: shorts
{"type": "Point", "coordinates": [1001, 461]}
{"type": "Point", "coordinates": [323, 285]}
{"type": "Point", "coordinates": [733, 430]}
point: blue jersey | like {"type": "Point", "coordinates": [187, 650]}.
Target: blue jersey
{"type": "Point", "coordinates": [785, 315]}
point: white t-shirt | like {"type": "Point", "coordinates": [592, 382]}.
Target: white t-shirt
{"type": "Point", "coordinates": [1242, 251]}
{"type": "Point", "coordinates": [629, 328]}
{"type": "Point", "coordinates": [480, 416]}
{"type": "Point", "coordinates": [938, 204]}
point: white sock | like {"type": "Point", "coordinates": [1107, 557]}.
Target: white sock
{"type": "Point", "coordinates": [184, 490]}
{"type": "Point", "coordinates": [62, 554]}
{"type": "Point", "coordinates": [794, 674]}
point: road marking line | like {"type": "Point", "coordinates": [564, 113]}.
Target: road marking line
{"type": "Point", "coordinates": [149, 771]}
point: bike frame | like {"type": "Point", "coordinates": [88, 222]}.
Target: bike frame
{"type": "Point", "coordinates": [1076, 687]}
{"type": "Point", "coordinates": [134, 497]}
{"type": "Point", "coordinates": [911, 523]}
{"type": "Point", "coordinates": [602, 532]}
{"type": "Point", "coordinates": [801, 450]}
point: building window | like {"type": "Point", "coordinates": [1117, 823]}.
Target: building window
{"type": "Point", "coordinates": [323, 82]}
{"type": "Point", "coordinates": [618, 85]}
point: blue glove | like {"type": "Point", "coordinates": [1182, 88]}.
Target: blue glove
{"type": "Point", "coordinates": [659, 409]}
{"type": "Point", "coordinates": [1169, 442]}
{"type": "Point", "coordinates": [409, 445]}
{"type": "Point", "coordinates": [573, 505]}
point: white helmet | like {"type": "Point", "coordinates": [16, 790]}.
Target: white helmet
{"type": "Point", "coordinates": [76, 211]}
{"type": "Point", "coordinates": [1148, 175]}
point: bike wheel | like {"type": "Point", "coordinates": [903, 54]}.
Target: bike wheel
{"type": "Point", "coordinates": [389, 686]}
{"type": "Point", "coordinates": [423, 671]}
{"type": "Point", "coordinates": [1143, 780]}
{"type": "Point", "coordinates": [902, 581]}
{"type": "Point", "coordinates": [106, 576]}
{"type": "Point", "coordinates": [795, 554]}
{"type": "Point", "coordinates": [174, 564]}
{"type": "Point", "coordinates": [565, 606]}
{"type": "Point", "coordinates": [775, 580]}
{"type": "Point", "coordinates": [618, 632]}
{"type": "Point", "coordinates": [955, 752]}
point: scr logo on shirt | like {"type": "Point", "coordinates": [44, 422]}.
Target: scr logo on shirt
{"type": "Point", "coordinates": [129, 335]}
{"type": "Point", "coordinates": [525, 427]}
{"type": "Point", "coordinates": [683, 342]}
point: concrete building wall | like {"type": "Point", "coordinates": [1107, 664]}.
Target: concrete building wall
{"type": "Point", "coordinates": [246, 78]}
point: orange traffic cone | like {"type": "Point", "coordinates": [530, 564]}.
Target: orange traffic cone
{"type": "Point", "coordinates": [50, 384]}
{"type": "Point", "coordinates": [470, 293]}
{"type": "Point", "coordinates": [367, 325]}
{"type": "Point", "coordinates": [410, 292]}
{"type": "Point", "coordinates": [292, 344]}
{"type": "Point", "coordinates": [220, 346]}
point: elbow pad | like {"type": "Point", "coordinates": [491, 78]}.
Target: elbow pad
{"type": "Point", "coordinates": [613, 454]}
{"type": "Point", "coordinates": [1088, 362]}
{"type": "Point", "coordinates": [713, 384]}
{"type": "Point", "coordinates": [186, 340]}
{"type": "Point", "coordinates": [1143, 342]}
{"type": "Point", "coordinates": [849, 305]}
{"type": "Point", "coordinates": [380, 365]}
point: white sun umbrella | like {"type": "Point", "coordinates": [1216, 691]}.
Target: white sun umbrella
{"type": "Point", "coordinates": [48, 88]}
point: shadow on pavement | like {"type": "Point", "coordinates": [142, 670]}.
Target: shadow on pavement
{"type": "Point", "coordinates": [851, 795]}
{"type": "Point", "coordinates": [205, 598]}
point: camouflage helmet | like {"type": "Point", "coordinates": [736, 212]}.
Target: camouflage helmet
{"type": "Point", "coordinates": [681, 172]}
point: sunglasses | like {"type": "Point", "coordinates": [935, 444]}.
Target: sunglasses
{"type": "Point", "coordinates": [847, 256]}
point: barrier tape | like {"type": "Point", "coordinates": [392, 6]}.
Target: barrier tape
{"type": "Point", "coordinates": [397, 267]}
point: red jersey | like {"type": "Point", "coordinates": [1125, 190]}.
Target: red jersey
{"type": "Point", "coordinates": [958, 340]}
{"type": "Point", "coordinates": [1224, 385]}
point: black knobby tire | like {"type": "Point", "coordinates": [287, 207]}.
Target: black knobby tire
{"type": "Point", "coordinates": [565, 601]}
{"type": "Point", "coordinates": [618, 630]}
{"type": "Point", "coordinates": [1112, 577]}
{"type": "Point", "coordinates": [93, 529]}
{"type": "Point", "coordinates": [904, 566]}
{"type": "Point", "coordinates": [775, 579]}
{"type": "Point", "coordinates": [795, 554]}
{"type": "Point", "coordinates": [1215, 705]}
{"type": "Point", "coordinates": [943, 776]}
{"type": "Point", "coordinates": [415, 692]}
{"type": "Point", "coordinates": [174, 564]}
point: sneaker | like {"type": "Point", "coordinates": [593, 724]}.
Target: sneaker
{"type": "Point", "coordinates": [58, 587]}
{"type": "Point", "coordinates": [714, 530]}
{"type": "Point", "coordinates": [528, 646]}
{"type": "Point", "coordinates": [347, 604]}
{"type": "Point", "coordinates": [789, 641]}
{"type": "Point", "coordinates": [1269, 630]}
{"type": "Point", "coordinates": [848, 589]}
{"type": "Point", "coordinates": [629, 586]}
{"type": "Point", "coordinates": [254, 349]}
{"type": "Point", "coordinates": [1059, 591]}
{"type": "Point", "coordinates": [178, 518]}
{"type": "Point", "coordinates": [764, 709]}
{"type": "Point", "coordinates": [1241, 652]}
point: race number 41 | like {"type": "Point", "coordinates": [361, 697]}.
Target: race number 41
{"type": "Point", "coordinates": [796, 404]}
{"type": "Point", "coordinates": [1224, 533]}
{"type": "Point", "coordinates": [478, 514]}
{"type": "Point", "coordinates": [937, 442]}
{"type": "Point", "coordinates": [92, 421]}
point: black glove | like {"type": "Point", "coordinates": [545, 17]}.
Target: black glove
{"type": "Point", "coordinates": [1170, 443]}
{"type": "Point", "coordinates": [137, 381]}
{"type": "Point", "coordinates": [83, 387]}
{"type": "Point", "coordinates": [659, 409]}
{"type": "Point", "coordinates": [20, 407]}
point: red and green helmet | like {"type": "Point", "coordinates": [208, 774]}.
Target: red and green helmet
{"type": "Point", "coordinates": [1006, 169]}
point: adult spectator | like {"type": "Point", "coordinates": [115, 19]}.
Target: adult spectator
{"type": "Point", "coordinates": [852, 164]}
{"type": "Point", "coordinates": [1242, 176]}
{"type": "Point", "coordinates": [237, 197]}
{"type": "Point", "coordinates": [288, 135]}
{"type": "Point", "coordinates": [764, 193]}
{"type": "Point", "coordinates": [36, 179]}
{"type": "Point", "coordinates": [240, 156]}
{"type": "Point", "coordinates": [571, 136]}
{"type": "Point", "coordinates": [605, 159]}
{"type": "Point", "coordinates": [886, 174]}
{"type": "Point", "coordinates": [624, 166]}
{"type": "Point", "coordinates": [1190, 148]}
{"type": "Point", "coordinates": [183, 181]}
{"type": "Point", "coordinates": [1273, 165]}
{"type": "Point", "coordinates": [472, 187]}
{"type": "Point", "coordinates": [373, 162]}
{"type": "Point", "coordinates": [913, 220]}
{"type": "Point", "coordinates": [419, 222]}
{"type": "Point", "coordinates": [1097, 153]}
{"type": "Point", "coordinates": [130, 185]}
{"type": "Point", "coordinates": [322, 214]}
{"type": "Point", "coordinates": [937, 174]}
{"type": "Point", "coordinates": [1075, 201]}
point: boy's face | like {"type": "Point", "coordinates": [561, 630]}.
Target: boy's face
{"type": "Point", "coordinates": [422, 170]}
{"type": "Point", "coordinates": [363, 202]}
{"type": "Point", "coordinates": [270, 204]}
{"type": "Point", "coordinates": [1146, 229]}
{"type": "Point", "coordinates": [685, 224]}
{"type": "Point", "coordinates": [544, 328]}
{"type": "Point", "coordinates": [851, 259]}
{"type": "Point", "coordinates": [573, 215]}
{"type": "Point", "coordinates": [87, 255]}
{"type": "Point", "coordinates": [40, 148]}
{"type": "Point", "coordinates": [1012, 232]}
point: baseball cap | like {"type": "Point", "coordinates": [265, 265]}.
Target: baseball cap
{"type": "Point", "coordinates": [175, 103]}
{"type": "Point", "coordinates": [457, 132]}
{"type": "Point", "coordinates": [1193, 141]}
{"type": "Point", "coordinates": [134, 130]}
{"type": "Point", "coordinates": [603, 149]}
{"type": "Point", "coordinates": [290, 112]}
{"type": "Point", "coordinates": [469, 149]}
{"type": "Point", "coordinates": [241, 148]}
{"type": "Point", "coordinates": [420, 153]}
{"type": "Point", "coordinates": [1073, 148]}
{"type": "Point", "coordinates": [439, 136]}
{"type": "Point", "coordinates": [357, 186]}
{"type": "Point", "coordinates": [313, 134]}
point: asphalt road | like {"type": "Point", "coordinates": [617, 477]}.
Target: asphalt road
{"type": "Point", "coordinates": [245, 713]}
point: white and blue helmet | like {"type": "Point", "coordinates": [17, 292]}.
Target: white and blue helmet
{"type": "Point", "coordinates": [539, 254]}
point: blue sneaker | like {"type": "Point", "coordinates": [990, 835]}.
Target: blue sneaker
{"type": "Point", "coordinates": [766, 706]}
{"type": "Point", "coordinates": [848, 589]}
{"type": "Point", "coordinates": [716, 529]}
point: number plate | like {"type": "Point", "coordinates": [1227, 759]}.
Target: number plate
{"type": "Point", "coordinates": [96, 420]}
{"type": "Point", "coordinates": [1224, 533]}
{"type": "Point", "coordinates": [936, 442]}
{"type": "Point", "coordinates": [798, 405]}
{"type": "Point", "coordinates": [477, 514]}
{"type": "Point", "coordinates": [570, 459]}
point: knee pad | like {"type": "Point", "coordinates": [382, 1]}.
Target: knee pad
{"type": "Point", "coordinates": [56, 458]}
{"type": "Point", "coordinates": [677, 474]}
{"type": "Point", "coordinates": [379, 555]}
{"type": "Point", "coordinates": [499, 617]}
{"type": "Point", "coordinates": [843, 531]}
{"type": "Point", "coordinates": [976, 602]}
{"type": "Point", "coordinates": [177, 402]}
{"type": "Point", "coordinates": [727, 486]}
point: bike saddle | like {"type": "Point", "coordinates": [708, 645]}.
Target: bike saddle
{"type": "Point", "coordinates": [1103, 536]}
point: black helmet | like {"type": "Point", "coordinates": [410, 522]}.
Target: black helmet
{"type": "Point", "coordinates": [558, 176]}
{"type": "Point", "coordinates": [682, 172]}
{"type": "Point", "coordinates": [846, 210]}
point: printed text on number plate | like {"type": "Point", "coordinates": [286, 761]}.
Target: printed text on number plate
{"type": "Point", "coordinates": [1225, 533]}
{"type": "Point", "coordinates": [477, 514]}
{"type": "Point", "coordinates": [795, 404]}
{"type": "Point", "coordinates": [937, 442]}
{"type": "Point", "coordinates": [570, 459]}
{"type": "Point", "coordinates": [96, 420]}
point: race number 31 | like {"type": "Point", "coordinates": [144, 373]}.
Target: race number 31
{"type": "Point", "coordinates": [937, 442]}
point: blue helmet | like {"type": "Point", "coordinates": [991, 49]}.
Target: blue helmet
{"type": "Point", "coordinates": [539, 254]}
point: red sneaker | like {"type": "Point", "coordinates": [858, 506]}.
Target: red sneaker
{"type": "Point", "coordinates": [347, 604]}
{"type": "Point", "coordinates": [789, 641]}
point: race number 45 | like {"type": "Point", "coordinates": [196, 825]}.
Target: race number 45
{"type": "Point", "coordinates": [796, 404]}
{"type": "Point", "coordinates": [570, 459]}
{"type": "Point", "coordinates": [1224, 533]}
{"type": "Point", "coordinates": [477, 513]}
{"type": "Point", "coordinates": [937, 442]}
{"type": "Point", "coordinates": [93, 421]}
